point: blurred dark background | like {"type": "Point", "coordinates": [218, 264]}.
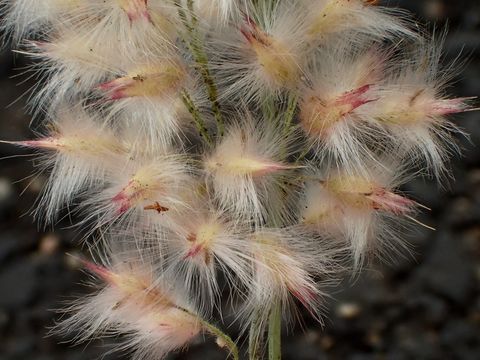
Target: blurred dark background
{"type": "Point", "coordinates": [426, 306]}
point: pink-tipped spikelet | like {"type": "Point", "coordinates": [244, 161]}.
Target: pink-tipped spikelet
{"type": "Point", "coordinates": [242, 150]}
{"type": "Point", "coordinates": [147, 97]}
{"type": "Point", "coordinates": [266, 54]}
{"type": "Point", "coordinates": [327, 20]}
{"type": "Point", "coordinates": [142, 190]}
{"type": "Point", "coordinates": [413, 109]}
{"type": "Point", "coordinates": [287, 265]}
{"type": "Point", "coordinates": [246, 170]}
{"type": "Point", "coordinates": [154, 320]}
{"type": "Point", "coordinates": [361, 207]}
{"type": "Point", "coordinates": [203, 242]}
{"type": "Point", "coordinates": [79, 152]}
{"type": "Point", "coordinates": [333, 110]}
{"type": "Point", "coordinates": [283, 271]}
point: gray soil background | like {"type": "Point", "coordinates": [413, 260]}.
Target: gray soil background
{"type": "Point", "coordinates": [425, 306]}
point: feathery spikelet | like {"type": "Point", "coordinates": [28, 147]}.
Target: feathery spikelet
{"type": "Point", "coordinates": [362, 207]}
{"type": "Point", "coordinates": [329, 19]}
{"type": "Point", "coordinates": [128, 25]}
{"type": "Point", "coordinates": [154, 320]}
{"type": "Point", "coordinates": [413, 108]}
{"type": "Point", "coordinates": [264, 56]}
{"type": "Point", "coordinates": [79, 152]}
{"type": "Point", "coordinates": [287, 262]}
{"type": "Point", "coordinates": [333, 112]}
{"type": "Point", "coordinates": [202, 243]}
{"type": "Point", "coordinates": [246, 169]}
{"type": "Point", "coordinates": [140, 190]}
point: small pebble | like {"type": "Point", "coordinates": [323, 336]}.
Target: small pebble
{"type": "Point", "coordinates": [73, 260]}
{"type": "Point", "coordinates": [6, 189]}
{"type": "Point", "coordinates": [49, 244]}
{"type": "Point", "coordinates": [348, 310]}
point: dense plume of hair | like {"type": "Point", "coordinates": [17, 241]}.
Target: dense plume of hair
{"type": "Point", "coordinates": [239, 149]}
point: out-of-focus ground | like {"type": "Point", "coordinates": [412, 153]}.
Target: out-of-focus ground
{"type": "Point", "coordinates": [426, 306]}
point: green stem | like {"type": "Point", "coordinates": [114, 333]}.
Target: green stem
{"type": "Point", "coordinates": [196, 48]}
{"type": "Point", "coordinates": [255, 338]}
{"type": "Point", "coordinates": [269, 107]}
{"type": "Point", "coordinates": [275, 333]}
{"type": "Point", "coordinates": [183, 16]}
{"type": "Point", "coordinates": [192, 13]}
{"type": "Point", "coordinates": [302, 155]}
{"type": "Point", "coordinates": [197, 117]}
{"type": "Point", "coordinates": [290, 113]}
{"type": "Point", "coordinates": [225, 339]}
{"type": "Point", "coordinates": [287, 118]}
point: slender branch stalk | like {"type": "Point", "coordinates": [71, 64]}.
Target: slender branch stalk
{"type": "Point", "coordinates": [275, 333]}
{"type": "Point", "coordinates": [302, 155]}
{"type": "Point", "coordinates": [197, 117]}
{"type": "Point", "coordinates": [224, 338]}
{"type": "Point", "coordinates": [255, 338]}
{"type": "Point", "coordinates": [195, 46]}
{"type": "Point", "coordinates": [290, 113]}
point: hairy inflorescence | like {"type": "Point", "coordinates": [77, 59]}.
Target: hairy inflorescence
{"type": "Point", "coordinates": [228, 156]}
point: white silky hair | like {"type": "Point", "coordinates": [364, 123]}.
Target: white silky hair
{"type": "Point", "coordinates": [108, 23]}
{"type": "Point", "coordinates": [24, 19]}
{"type": "Point", "coordinates": [414, 108]}
{"type": "Point", "coordinates": [344, 78]}
{"type": "Point", "coordinates": [241, 75]}
{"type": "Point", "coordinates": [353, 21]}
{"type": "Point", "coordinates": [80, 154]}
{"type": "Point", "coordinates": [202, 243]}
{"type": "Point", "coordinates": [247, 171]}
{"type": "Point", "coordinates": [154, 318]}
{"type": "Point", "coordinates": [351, 216]}
{"type": "Point", "coordinates": [71, 67]}
{"type": "Point", "coordinates": [218, 12]}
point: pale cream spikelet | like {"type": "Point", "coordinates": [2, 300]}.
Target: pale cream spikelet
{"type": "Point", "coordinates": [352, 21]}
{"type": "Point", "coordinates": [247, 170]}
{"type": "Point", "coordinates": [288, 264]}
{"type": "Point", "coordinates": [333, 111]}
{"type": "Point", "coordinates": [414, 109]}
{"type": "Point", "coordinates": [79, 152]}
{"type": "Point", "coordinates": [264, 54]}
{"type": "Point", "coordinates": [363, 208]}
{"type": "Point", "coordinates": [147, 95]}
{"type": "Point", "coordinates": [141, 193]}
{"type": "Point", "coordinates": [202, 244]}
{"type": "Point", "coordinates": [217, 12]}
{"type": "Point", "coordinates": [129, 26]}
{"type": "Point", "coordinates": [24, 19]}
{"type": "Point", "coordinates": [73, 66]}
{"type": "Point", "coordinates": [132, 302]}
